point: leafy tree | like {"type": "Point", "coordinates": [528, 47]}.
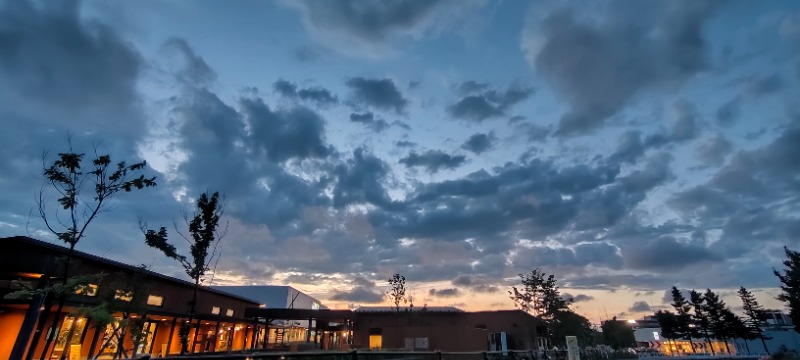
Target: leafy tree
{"type": "Point", "coordinates": [83, 192]}
{"type": "Point", "coordinates": [701, 317]}
{"type": "Point", "coordinates": [566, 323]}
{"type": "Point", "coordinates": [397, 292]}
{"type": "Point", "coordinates": [540, 297]}
{"type": "Point", "coordinates": [755, 315]}
{"type": "Point", "coordinates": [683, 318]}
{"type": "Point", "coordinates": [716, 310]}
{"type": "Point", "coordinates": [127, 297]}
{"type": "Point", "coordinates": [203, 232]}
{"type": "Point", "coordinates": [790, 285]}
{"type": "Point", "coordinates": [617, 333]}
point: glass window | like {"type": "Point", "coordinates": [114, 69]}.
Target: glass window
{"type": "Point", "coordinates": [375, 341]}
{"type": "Point", "coordinates": [71, 328]}
{"type": "Point", "coordinates": [155, 300]}
{"type": "Point", "coordinates": [123, 295]}
{"type": "Point", "coordinates": [87, 290]}
{"type": "Point", "coordinates": [215, 310]}
{"type": "Point", "coordinates": [229, 312]}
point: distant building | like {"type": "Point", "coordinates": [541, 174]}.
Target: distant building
{"type": "Point", "coordinates": [245, 318]}
{"type": "Point", "coordinates": [778, 329]}
{"type": "Point", "coordinates": [405, 309]}
{"type": "Point", "coordinates": [275, 296]}
{"type": "Point", "coordinates": [284, 333]}
{"type": "Point", "coordinates": [219, 321]}
{"type": "Point", "coordinates": [447, 330]}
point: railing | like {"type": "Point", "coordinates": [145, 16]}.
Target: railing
{"type": "Point", "coordinates": [406, 355]}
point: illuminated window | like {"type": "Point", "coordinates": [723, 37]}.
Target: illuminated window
{"type": "Point", "coordinates": [215, 310]}
{"type": "Point", "coordinates": [229, 312]}
{"type": "Point", "coordinates": [123, 295]}
{"type": "Point", "coordinates": [375, 338]}
{"type": "Point", "coordinates": [375, 341]}
{"type": "Point", "coordinates": [87, 290]}
{"type": "Point", "coordinates": [155, 300]}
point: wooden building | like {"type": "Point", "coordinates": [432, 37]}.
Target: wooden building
{"type": "Point", "coordinates": [163, 303]}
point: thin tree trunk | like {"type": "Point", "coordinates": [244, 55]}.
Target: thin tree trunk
{"type": "Point", "coordinates": [61, 299]}
{"type": "Point", "coordinates": [746, 346]}
{"type": "Point", "coordinates": [70, 334]}
{"type": "Point", "coordinates": [763, 342]}
{"type": "Point", "coordinates": [727, 349]}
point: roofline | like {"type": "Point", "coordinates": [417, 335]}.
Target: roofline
{"type": "Point", "coordinates": [102, 260]}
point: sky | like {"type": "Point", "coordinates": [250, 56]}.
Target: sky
{"type": "Point", "coordinates": [624, 146]}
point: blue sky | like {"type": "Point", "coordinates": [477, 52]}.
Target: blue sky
{"type": "Point", "coordinates": [624, 146]}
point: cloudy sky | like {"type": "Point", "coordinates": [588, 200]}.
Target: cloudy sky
{"type": "Point", "coordinates": [624, 146]}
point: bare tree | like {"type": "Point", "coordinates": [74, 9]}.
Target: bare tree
{"type": "Point", "coordinates": [203, 232]}
{"type": "Point", "coordinates": [398, 291]}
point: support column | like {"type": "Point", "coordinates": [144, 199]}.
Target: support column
{"type": "Point", "coordinates": [308, 331]}
{"type": "Point", "coordinates": [29, 322]}
{"type": "Point", "coordinates": [171, 332]}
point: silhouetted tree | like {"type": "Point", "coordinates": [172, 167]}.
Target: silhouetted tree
{"type": "Point", "coordinates": [735, 328]}
{"type": "Point", "coordinates": [668, 322]}
{"type": "Point", "coordinates": [203, 232]}
{"type": "Point", "coordinates": [755, 315]}
{"type": "Point", "coordinates": [82, 191]}
{"type": "Point", "coordinates": [617, 333]}
{"type": "Point", "coordinates": [539, 296]}
{"type": "Point", "coordinates": [790, 285]}
{"type": "Point", "coordinates": [397, 292]}
{"type": "Point", "coordinates": [683, 318]}
{"type": "Point", "coordinates": [716, 309]}
{"type": "Point", "coordinates": [568, 323]}
{"type": "Point", "coordinates": [701, 318]}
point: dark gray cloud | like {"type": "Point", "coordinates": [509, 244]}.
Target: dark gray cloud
{"type": "Point", "coordinates": [685, 126]}
{"type": "Point", "coordinates": [599, 67]}
{"type": "Point", "coordinates": [433, 160]}
{"type": "Point", "coordinates": [480, 143]}
{"type": "Point", "coordinates": [380, 94]}
{"type": "Point", "coordinates": [713, 151]}
{"type": "Point", "coordinates": [666, 253]}
{"type": "Point", "coordinates": [728, 113]}
{"type": "Point", "coordinates": [375, 124]}
{"type": "Point", "coordinates": [195, 70]}
{"type": "Point", "coordinates": [599, 254]}
{"type": "Point", "coordinates": [358, 294]}
{"type": "Point", "coordinates": [640, 306]}
{"type": "Point", "coordinates": [444, 293]}
{"type": "Point", "coordinates": [476, 284]}
{"type": "Point", "coordinates": [317, 95]}
{"type": "Point", "coordinates": [480, 103]}
{"type": "Point", "coordinates": [306, 54]}
{"type": "Point", "coordinates": [365, 117]}
{"type": "Point", "coordinates": [285, 134]}
{"type": "Point", "coordinates": [613, 282]}
{"type": "Point", "coordinates": [285, 88]}
{"type": "Point", "coordinates": [405, 144]}
{"type": "Point", "coordinates": [576, 298]}
{"type": "Point", "coordinates": [759, 86]}
{"type": "Point", "coordinates": [372, 21]}
{"type": "Point", "coordinates": [55, 66]}
{"type": "Point", "coordinates": [362, 180]}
